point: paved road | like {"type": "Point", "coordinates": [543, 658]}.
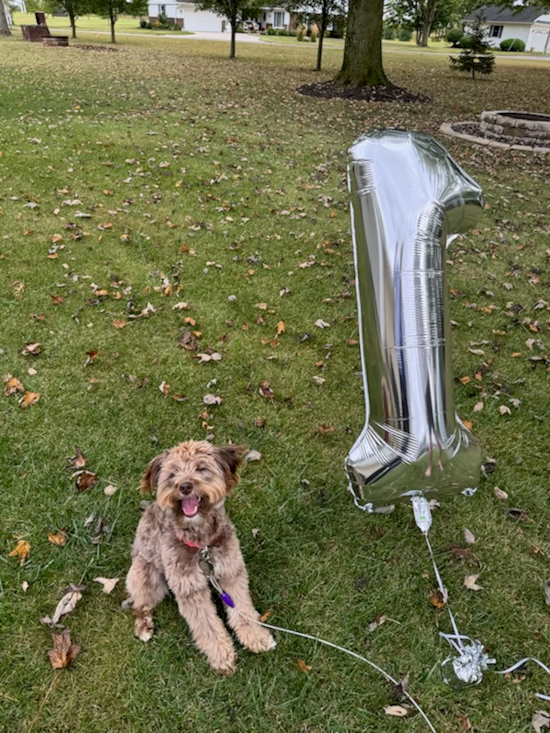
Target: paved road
{"type": "Point", "coordinates": [250, 38]}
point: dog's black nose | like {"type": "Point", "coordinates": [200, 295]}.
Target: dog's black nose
{"type": "Point", "coordinates": [186, 488]}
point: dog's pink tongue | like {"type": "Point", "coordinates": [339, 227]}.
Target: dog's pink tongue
{"type": "Point", "coordinates": [190, 505]}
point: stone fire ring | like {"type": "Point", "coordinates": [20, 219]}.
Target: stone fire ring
{"type": "Point", "coordinates": [527, 126]}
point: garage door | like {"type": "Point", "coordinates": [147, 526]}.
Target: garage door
{"type": "Point", "coordinates": [202, 20]}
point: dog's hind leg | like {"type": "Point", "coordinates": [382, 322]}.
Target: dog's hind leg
{"type": "Point", "coordinates": [147, 587]}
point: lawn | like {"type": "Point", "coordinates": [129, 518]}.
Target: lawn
{"type": "Point", "coordinates": [203, 179]}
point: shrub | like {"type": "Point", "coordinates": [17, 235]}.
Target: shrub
{"type": "Point", "coordinates": [512, 44]}
{"type": "Point", "coordinates": [465, 41]}
{"type": "Point", "coordinates": [454, 37]}
{"type": "Point", "coordinates": [388, 32]}
{"type": "Point", "coordinates": [404, 34]}
{"type": "Point", "coordinates": [313, 37]}
{"type": "Point", "coordinates": [271, 32]}
{"type": "Point", "coordinates": [143, 23]}
{"type": "Point", "coordinates": [282, 32]}
{"type": "Point", "coordinates": [300, 34]}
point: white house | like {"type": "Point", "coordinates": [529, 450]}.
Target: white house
{"type": "Point", "coordinates": [190, 18]}
{"type": "Point", "coordinates": [529, 24]}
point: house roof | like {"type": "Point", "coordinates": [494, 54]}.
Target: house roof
{"type": "Point", "coordinates": [498, 14]}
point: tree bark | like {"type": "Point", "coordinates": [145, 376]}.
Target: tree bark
{"type": "Point", "coordinates": [72, 20]}
{"type": "Point", "coordinates": [112, 20]}
{"type": "Point", "coordinates": [320, 49]}
{"type": "Point", "coordinates": [362, 65]}
{"type": "Point", "coordinates": [4, 27]}
{"type": "Point", "coordinates": [233, 24]}
{"type": "Point", "coordinates": [428, 14]}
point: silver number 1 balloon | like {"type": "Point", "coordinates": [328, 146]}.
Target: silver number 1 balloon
{"type": "Point", "coordinates": [408, 199]}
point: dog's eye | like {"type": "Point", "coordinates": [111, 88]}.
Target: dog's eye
{"type": "Point", "coordinates": [201, 469]}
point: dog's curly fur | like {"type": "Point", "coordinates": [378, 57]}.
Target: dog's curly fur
{"type": "Point", "coordinates": [192, 481]}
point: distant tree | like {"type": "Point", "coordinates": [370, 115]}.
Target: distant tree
{"type": "Point", "coordinates": [111, 9]}
{"type": "Point", "coordinates": [362, 64]}
{"type": "Point", "coordinates": [478, 56]}
{"type": "Point", "coordinates": [4, 27]}
{"type": "Point", "coordinates": [73, 8]}
{"type": "Point", "coordinates": [236, 11]}
{"type": "Point", "coordinates": [323, 13]}
{"type": "Point", "coordinates": [424, 16]}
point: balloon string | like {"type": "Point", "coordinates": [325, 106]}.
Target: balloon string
{"type": "Point", "coordinates": [455, 639]}
{"type": "Point", "coordinates": [384, 674]}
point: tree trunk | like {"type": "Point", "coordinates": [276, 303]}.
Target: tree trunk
{"type": "Point", "coordinates": [320, 49]}
{"type": "Point", "coordinates": [362, 65]}
{"type": "Point", "coordinates": [72, 20]}
{"type": "Point", "coordinates": [4, 27]}
{"type": "Point", "coordinates": [112, 20]}
{"type": "Point", "coordinates": [428, 15]}
{"type": "Point", "coordinates": [233, 24]}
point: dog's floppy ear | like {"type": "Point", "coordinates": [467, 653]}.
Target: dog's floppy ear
{"type": "Point", "coordinates": [229, 458]}
{"type": "Point", "coordinates": [151, 475]}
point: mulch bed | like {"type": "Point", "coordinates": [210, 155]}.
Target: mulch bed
{"type": "Point", "coordinates": [87, 47]}
{"type": "Point", "coordinates": [332, 90]}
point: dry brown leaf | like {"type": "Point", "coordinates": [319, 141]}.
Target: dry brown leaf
{"type": "Point", "coordinates": [469, 536]}
{"type": "Point", "coordinates": [478, 406]}
{"type": "Point", "coordinates": [91, 357]}
{"type": "Point", "coordinates": [86, 480]}
{"type": "Point", "coordinates": [164, 388]}
{"type": "Point", "coordinates": [107, 583]}
{"type": "Point", "coordinates": [540, 720]}
{"type": "Point", "coordinates": [324, 429]}
{"type": "Point", "coordinates": [266, 391]}
{"type": "Point", "coordinates": [77, 461]}
{"type": "Point", "coordinates": [280, 328]}
{"type": "Point", "coordinates": [59, 538]}
{"type": "Point", "coordinates": [399, 711]}
{"type": "Point", "coordinates": [57, 299]}
{"type": "Point", "coordinates": [504, 410]}
{"type": "Point", "coordinates": [118, 323]}
{"type": "Point", "coordinates": [28, 399]}
{"type": "Point", "coordinates": [437, 600]}
{"type": "Point", "coordinates": [63, 652]}
{"type": "Point", "coordinates": [467, 424]}
{"type": "Point", "coordinates": [65, 605]}
{"type": "Point", "coordinates": [471, 584]}
{"type": "Point", "coordinates": [253, 455]}
{"type": "Point", "coordinates": [31, 349]}
{"type": "Point", "coordinates": [12, 385]}
{"type": "Point", "coordinates": [21, 550]}
{"type": "Point", "coordinates": [267, 615]}
{"type": "Point", "coordinates": [302, 666]}
{"type": "Point", "coordinates": [212, 399]}
{"type": "Point", "coordinates": [499, 493]}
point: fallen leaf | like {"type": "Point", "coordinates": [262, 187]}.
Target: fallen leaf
{"type": "Point", "coordinates": [12, 385]}
{"type": "Point", "coordinates": [164, 388]}
{"type": "Point", "coordinates": [267, 615]}
{"type": "Point", "coordinates": [91, 357]}
{"type": "Point", "coordinates": [110, 490]}
{"type": "Point", "coordinates": [318, 380]}
{"type": "Point", "coordinates": [518, 515]}
{"type": "Point", "coordinates": [437, 599]}
{"type": "Point", "coordinates": [465, 723]}
{"type": "Point", "coordinates": [302, 666]}
{"type": "Point", "coordinates": [499, 493]}
{"type": "Point", "coordinates": [378, 621]}
{"type": "Point", "coordinates": [467, 424]}
{"type": "Point", "coordinates": [24, 586]}
{"type": "Point", "coordinates": [321, 324]}
{"type": "Point", "coordinates": [470, 582]}
{"type": "Point", "coordinates": [469, 536]}
{"type": "Point", "coordinates": [266, 391]}
{"type": "Point", "coordinates": [478, 406]}
{"type": "Point", "coordinates": [118, 323]}
{"type": "Point", "coordinates": [540, 720]}
{"type": "Point", "coordinates": [77, 461]}
{"type": "Point", "coordinates": [63, 652]}
{"type": "Point", "coordinates": [255, 533]}
{"type": "Point", "coordinates": [59, 538]}
{"type": "Point", "coordinates": [280, 328]}
{"type": "Point", "coordinates": [324, 429]}
{"type": "Point", "coordinates": [284, 291]}
{"type": "Point", "coordinates": [212, 399]}
{"type": "Point", "coordinates": [504, 410]}
{"type": "Point", "coordinates": [65, 605]}
{"type": "Point", "coordinates": [21, 550]}
{"type": "Point", "coordinates": [86, 480]}
{"type": "Point", "coordinates": [28, 399]}
{"type": "Point", "coordinates": [31, 350]}
{"type": "Point", "coordinates": [547, 592]}
{"type": "Point", "coordinates": [401, 688]}
{"type": "Point", "coordinates": [254, 455]}
{"type": "Point", "coordinates": [261, 306]}
{"type": "Point", "coordinates": [107, 583]}
{"type": "Point", "coordinates": [57, 299]}
{"type": "Point", "coordinates": [399, 711]}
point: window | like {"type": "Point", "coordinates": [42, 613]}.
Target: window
{"type": "Point", "coordinates": [162, 10]}
{"type": "Point", "coordinates": [496, 31]}
{"type": "Point", "coordinates": [278, 19]}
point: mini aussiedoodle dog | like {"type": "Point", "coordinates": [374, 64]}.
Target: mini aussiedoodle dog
{"type": "Point", "coordinates": [185, 542]}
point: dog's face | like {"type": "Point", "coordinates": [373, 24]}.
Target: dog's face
{"type": "Point", "coordinates": [193, 478]}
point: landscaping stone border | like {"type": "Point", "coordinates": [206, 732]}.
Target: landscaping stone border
{"type": "Point", "coordinates": [448, 128]}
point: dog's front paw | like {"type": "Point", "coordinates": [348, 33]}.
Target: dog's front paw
{"type": "Point", "coordinates": [224, 661]}
{"type": "Point", "coordinates": [144, 628]}
{"type": "Point", "coordinates": [256, 638]}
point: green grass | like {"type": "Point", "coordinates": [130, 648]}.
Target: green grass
{"type": "Point", "coordinates": [161, 133]}
{"type": "Point", "coordinates": [88, 23]}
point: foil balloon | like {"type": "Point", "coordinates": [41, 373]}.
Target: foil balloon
{"type": "Point", "coordinates": [408, 199]}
